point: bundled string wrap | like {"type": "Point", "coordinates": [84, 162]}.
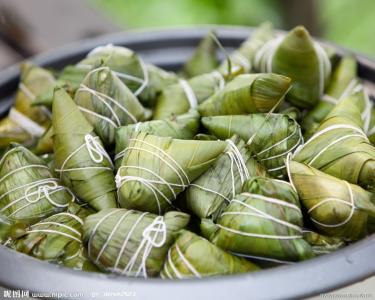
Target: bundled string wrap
{"type": "Point", "coordinates": [96, 152]}
{"type": "Point", "coordinates": [73, 234]}
{"type": "Point", "coordinates": [333, 199]}
{"type": "Point", "coordinates": [159, 187]}
{"type": "Point", "coordinates": [339, 209]}
{"type": "Point", "coordinates": [108, 103]}
{"type": "Point", "coordinates": [193, 102]}
{"type": "Point", "coordinates": [296, 55]}
{"type": "Point", "coordinates": [129, 242]}
{"type": "Point", "coordinates": [266, 216]}
{"type": "Point", "coordinates": [179, 98]}
{"type": "Point", "coordinates": [270, 137]}
{"type": "Point", "coordinates": [253, 211]}
{"type": "Point", "coordinates": [111, 48]}
{"type": "Point", "coordinates": [263, 157]}
{"type": "Point", "coordinates": [212, 191]}
{"type": "Point", "coordinates": [180, 127]}
{"type": "Point", "coordinates": [57, 239]}
{"type": "Point", "coordinates": [184, 259]}
{"type": "Point", "coordinates": [152, 184]}
{"type": "Point", "coordinates": [29, 192]}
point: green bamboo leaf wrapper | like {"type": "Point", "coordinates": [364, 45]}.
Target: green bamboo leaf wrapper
{"type": "Point", "coordinates": [322, 244]}
{"type": "Point", "coordinates": [145, 80]}
{"type": "Point", "coordinates": [336, 207]}
{"type": "Point", "coordinates": [28, 190]}
{"type": "Point", "coordinates": [184, 259]}
{"type": "Point", "coordinates": [6, 226]}
{"type": "Point", "coordinates": [107, 103]}
{"type": "Point", "coordinates": [371, 130]}
{"type": "Point", "coordinates": [35, 81]}
{"type": "Point", "coordinates": [264, 222]}
{"type": "Point", "coordinates": [242, 58]}
{"type": "Point", "coordinates": [183, 127]}
{"type": "Point", "coordinates": [57, 239]}
{"type": "Point", "coordinates": [342, 82]}
{"type": "Point", "coordinates": [270, 137]}
{"type": "Point", "coordinates": [80, 159]}
{"type": "Point", "coordinates": [204, 58]}
{"type": "Point", "coordinates": [248, 93]}
{"type": "Point", "coordinates": [297, 56]}
{"type": "Point", "coordinates": [129, 242]}
{"type": "Point", "coordinates": [45, 142]}
{"type": "Point", "coordinates": [178, 98]}
{"type": "Point", "coordinates": [154, 170]}
{"type": "Point", "coordinates": [12, 132]}
{"type": "Point", "coordinates": [208, 195]}
{"type": "Point", "coordinates": [340, 142]}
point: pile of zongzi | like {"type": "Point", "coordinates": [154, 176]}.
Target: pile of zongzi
{"type": "Point", "coordinates": [115, 165]}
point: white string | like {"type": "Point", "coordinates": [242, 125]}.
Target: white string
{"type": "Point", "coordinates": [296, 128]}
{"type": "Point", "coordinates": [144, 81]}
{"type": "Point", "coordinates": [175, 270]}
{"type": "Point", "coordinates": [331, 199]}
{"type": "Point", "coordinates": [127, 237]}
{"type": "Point", "coordinates": [70, 228]}
{"type": "Point", "coordinates": [165, 154]}
{"type": "Point", "coordinates": [93, 232]}
{"type": "Point", "coordinates": [57, 224]}
{"type": "Point", "coordinates": [26, 91]}
{"type": "Point", "coordinates": [28, 203]}
{"type": "Point", "coordinates": [90, 112]}
{"type": "Point", "coordinates": [210, 191]}
{"type": "Point", "coordinates": [119, 178]}
{"type": "Point", "coordinates": [96, 153]}
{"type": "Point", "coordinates": [78, 219]}
{"type": "Point", "coordinates": [187, 263]}
{"type": "Point", "coordinates": [43, 191]}
{"type": "Point", "coordinates": [102, 98]}
{"type": "Point", "coordinates": [332, 144]}
{"type": "Point", "coordinates": [148, 243]}
{"type": "Point", "coordinates": [273, 201]}
{"type": "Point", "coordinates": [280, 237]}
{"type": "Point", "coordinates": [287, 165]}
{"type": "Point", "coordinates": [263, 258]}
{"type": "Point", "coordinates": [22, 168]}
{"type": "Point", "coordinates": [217, 75]}
{"type": "Point", "coordinates": [56, 232]}
{"type": "Point", "coordinates": [267, 51]}
{"type": "Point", "coordinates": [366, 114]}
{"type": "Point", "coordinates": [239, 160]}
{"type": "Point", "coordinates": [27, 124]}
{"type": "Point", "coordinates": [166, 270]}
{"type": "Point", "coordinates": [323, 61]}
{"type": "Point", "coordinates": [349, 88]}
{"type": "Point", "coordinates": [189, 93]}
{"type": "Point", "coordinates": [78, 252]}
{"type": "Point", "coordinates": [136, 127]}
{"type": "Point", "coordinates": [241, 60]}
{"type": "Point", "coordinates": [109, 237]}
{"type": "Point", "coordinates": [264, 59]}
{"type": "Point", "coordinates": [328, 129]}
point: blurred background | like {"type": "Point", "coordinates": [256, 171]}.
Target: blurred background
{"type": "Point", "coordinates": [34, 26]}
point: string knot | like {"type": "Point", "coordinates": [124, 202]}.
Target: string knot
{"type": "Point", "coordinates": [152, 231]}
{"type": "Point", "coordinates": [42, 190]}
{"type": "Point", "coordinates": [94, 148]}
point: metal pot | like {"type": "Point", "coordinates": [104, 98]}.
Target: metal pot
{"type": "Point", "coordinates": [169, 49]}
